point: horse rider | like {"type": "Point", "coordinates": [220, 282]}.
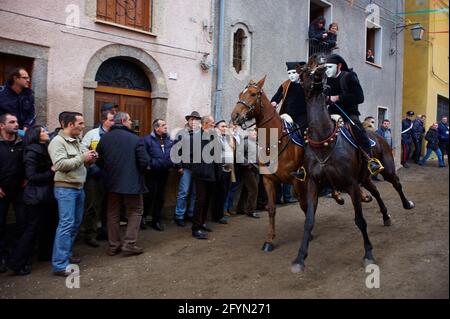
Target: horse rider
{"type": "Point", "coordinates": [291, 96]}
{"type": "Point", "coordinates": [344, 96]}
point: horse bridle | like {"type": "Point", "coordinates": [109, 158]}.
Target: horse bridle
{"type": "Point", "coordinates": [252, 107]}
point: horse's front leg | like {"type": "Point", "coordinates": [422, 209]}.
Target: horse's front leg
{"type": "Point", "coordinates": [298, 264]}
{"type": "Point", "coordinates": [270, 187]}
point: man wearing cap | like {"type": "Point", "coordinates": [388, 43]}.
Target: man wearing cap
{"type": "Point", "coordinates": [407, 137]}
{"type": "Point", "coordinates": [292, 96]}
{"type": "Point", "coordinates": [186, 187]}
{"type": "Point", "coordinates": [344, 95]}
{"type": "Point", "coordinates": [109, 107]}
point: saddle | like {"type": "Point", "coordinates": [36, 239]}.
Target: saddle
{"type": "Point", "coordinates": [293, 130]}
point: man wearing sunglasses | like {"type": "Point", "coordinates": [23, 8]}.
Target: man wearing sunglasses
{"type": "Point", "coordinates": [16, 98]}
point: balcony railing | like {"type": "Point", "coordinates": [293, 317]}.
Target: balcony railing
{"type": "Point", "coordinates": [319, 47]}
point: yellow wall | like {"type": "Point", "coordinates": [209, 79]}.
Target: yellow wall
{"type": "Point", "coordinates": [423, 58]}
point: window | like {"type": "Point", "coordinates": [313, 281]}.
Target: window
{"type": "Point", "coordinates": [9, 62]}
{"type": "Point", "coordinates": [136, 14]}
{"type": "Point", "coordinates": [373, 43]}
{"type": "Point", "coordinates": [442, 108]}
{"type": "Point", "coordinates": [382, 115]}
{"type": "Point", "coordinates": [319, 8]}
{"type": "Point", "coordinates": [238, 50]}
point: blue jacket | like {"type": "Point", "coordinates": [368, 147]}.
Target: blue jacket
{"type": "Point", "coordinates": [158, 152]}
{"type": "Point", "coordinates": [21, 105]}
{"type": "Point", "coordinates": [443, 132]}
{"type": "Point", "coordinates": [386, 134]}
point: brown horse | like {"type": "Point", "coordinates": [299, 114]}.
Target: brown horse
{"type": "Point", "coordinates": [254, 104]}
{"type": "Point", "coordinates": [329, 158]}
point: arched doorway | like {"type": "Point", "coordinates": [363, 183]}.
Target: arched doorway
{"type": "Point", "coordinates": [122, 82]}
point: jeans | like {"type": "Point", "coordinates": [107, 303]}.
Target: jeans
{"type": "Point", "coordinates": [71, 207]}
{"type": "Point", "coordinates": [186, 183]}
{"type": "Point", "coordinates": [285, 191]}
{"type": "Point", "coordinates": [438, 153]}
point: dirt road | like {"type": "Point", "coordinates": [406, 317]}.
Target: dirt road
{"type": "Point", "coordinates": [413, 255]}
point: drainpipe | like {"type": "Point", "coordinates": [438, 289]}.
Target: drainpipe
{"type": "Point", "coordinates": [219, 82]}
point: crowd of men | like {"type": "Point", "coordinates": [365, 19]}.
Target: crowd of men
{"type": "Point", "coordinates": [63, 187]}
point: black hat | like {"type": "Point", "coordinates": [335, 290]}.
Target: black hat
{"type": "Point", "coordinates": [217, 123]}
{"type": "Point", "coordinates": [108, 106]}
{"type": "Point", "coordinates": [194, 114]}
{"type": "Point", "coordinates": [293, 65]}
{"type": "Point", "coordinates": [336, 59]}
{"type": "Point", "coordinates": [410, 113]}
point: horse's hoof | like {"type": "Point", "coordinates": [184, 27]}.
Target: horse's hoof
{"type": "Point", "coordinates": [267, 247]}
{"type": "Point", "coordinates": [387, 222]}
{"type": "Point", "coordinates": [368, 262]}
{"type": "Point", "coordinates": [367, 199]}
{"type": "Point", "coordinates": [411, 205]}
{"type": "Point", "coordinates": [297, 268]}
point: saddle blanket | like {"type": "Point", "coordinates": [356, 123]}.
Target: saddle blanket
{"type": "Point", "coordinates": [346, 134]}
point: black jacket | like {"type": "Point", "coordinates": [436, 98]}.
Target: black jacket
{"type": "Point", "coordinates": [39, 175]}
{"type": "Point", "coordinates": [407, 126]}
{"type": "Point", "coordinates": [11, 164]}
{"type": "Point", "coordinates": [209, 172]}
{"type": "Point", "coordinates": [315, 33]}
{"type": "Point", "coordinates": [295, 102]}
{"type": "Point", "coordinates": [433, 139]}
{"type": "Point", "coordinates": [21, 105]}
{"type": "Point", "coordinates": [350, 93]}
{"type": "Point", "coordinates": [184, 147]}
{"type": "Point", "coordinates": [331, 40]}
{"type": "Point", "coordinates": [417, 129]}
{"type": "Point", "coordinates": [123, 158]}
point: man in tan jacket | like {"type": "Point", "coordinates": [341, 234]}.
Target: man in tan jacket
{"type": "Point", "coordinates": [69, 159]}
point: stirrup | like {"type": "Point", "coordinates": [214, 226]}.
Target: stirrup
{"type": "Point", "coordinates": [378, 163]}
{"type": "Point", "coordinates": [302, 171]}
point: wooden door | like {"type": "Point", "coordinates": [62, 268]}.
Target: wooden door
{"type": "Point", "coordinates": [9, 62]}
{"type": "Point", "coordinates": [136, 103]}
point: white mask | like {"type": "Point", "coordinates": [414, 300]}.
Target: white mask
{"type": "Point", "coordinates": [293, 75]}
{"type": "Point", "coordinates": [331, 70]}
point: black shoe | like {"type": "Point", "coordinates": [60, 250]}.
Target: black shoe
{"type": "Point", "coordinates": [22, 272]}
{"type": "Point", "coordinates": [206, 228]}
{"type": "Point", "coordinates": [180, 222]}
{"type": "Point", "coordinates": [223, 220]}
{"type": "Point", "coordinates": [143, 224]}
{"type": "Point", "coordinates": [199, 234]}
{"type": "Point", "coordinates": [374, 167]}
{"type": "Point", "coordinates": [157, 226]}
{"type": "Point", "coordinates": [290, 201]}
{"type": "Point", "coordinates": [91, 242]}
{"type": "Point", "coordinates": [406, 165]}
{"type": "Point", "coordinates": [299, 175]}
{"type": "Point", "coordinates": [74, 260]}
{"type": "Point", "coordinates": [253, 215]}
